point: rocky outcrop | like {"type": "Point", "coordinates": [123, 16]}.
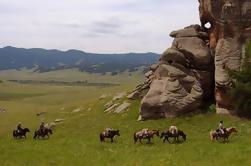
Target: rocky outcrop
{"type": "Point", "coordinates": [182, 79]}
{"type": "Point", "coordinates": [195, 67]}
{"type": "Point", "coordinates": [230, 22]}
{"type": "Point", "coordinates": [138, 92]}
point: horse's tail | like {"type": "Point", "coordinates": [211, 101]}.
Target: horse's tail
{"type": "Point", "coordinates": [101, 137]}
{"type": "Point", "coordinates": [14, 133]}
{"type": "Point", "coordinates": [135, 137]}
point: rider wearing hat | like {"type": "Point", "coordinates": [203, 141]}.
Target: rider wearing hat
{"type": "Point", "coordinates": [221, 127]}
{"type": "Point", "coordinates": [19, 127]}
{"type": "Point", "coordinates": [41, 127]}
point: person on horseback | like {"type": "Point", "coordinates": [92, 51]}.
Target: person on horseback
{"type": "Point", "coordinates": [221, 127]}
{"type": "Point", "coordinates": [19, 127]}
{"type": "Point", "coordinates": [173, 130]}
{"type": "Point", "coordinates": [42, 127]}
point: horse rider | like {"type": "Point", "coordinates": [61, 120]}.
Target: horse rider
{"type": "Point", "coordinates": [42, 127]}
{"type": "Point", "coordinates": [19, 127]}
{"type": "Point", "coordinates": [221, 127]}
{"type": "Point", "coordinates": [173, 130]}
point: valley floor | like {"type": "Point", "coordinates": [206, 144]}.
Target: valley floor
{"type": "Point", "coordinates": [76, 140]}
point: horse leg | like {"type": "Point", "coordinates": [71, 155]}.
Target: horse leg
{"type": "Point", "coordinates": [149, 140]}
{"type": "Point", "coordinates": [178, 139]}
{"type": "Point", "coordinates": [140, 140]}
{"type": "Point", "coordinates": [164, 140]}
{"type": "Point", "coordinates": [168, 140]}
{"type": "Point", "coordinates": [135, 140]}
{"type": "Point", "coordinates": [111, 139]}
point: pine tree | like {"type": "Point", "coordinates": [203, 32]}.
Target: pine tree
{"type": "Point", "coordinates": [241, 92]}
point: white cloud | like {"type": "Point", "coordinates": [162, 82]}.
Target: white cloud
{"type": "Point", "coordinates": [94, 25]}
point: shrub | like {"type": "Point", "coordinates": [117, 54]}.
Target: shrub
{"type": "Point", "coordinates": [241, 92]}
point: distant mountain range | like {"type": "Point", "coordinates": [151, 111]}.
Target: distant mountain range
{"type": "Point", "coordinates": [43, 60]}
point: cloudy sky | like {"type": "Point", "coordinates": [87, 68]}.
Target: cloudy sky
{"type": "Point", "coordinates": [100, 26]}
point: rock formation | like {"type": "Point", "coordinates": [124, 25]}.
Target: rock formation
{"type": "Point", "coordinates": [194, 68]}
{"type": "Point", "coordinates": [230, 22]}
{"type": "Point", "coordinates": [183, 77]}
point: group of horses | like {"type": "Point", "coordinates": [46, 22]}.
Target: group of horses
{"type": "Point", "coordinates": [37, 134]}
{"type": "Point", "coordinates": [165, 135]}
{"type": "Point", "coordinates": [140, 135]}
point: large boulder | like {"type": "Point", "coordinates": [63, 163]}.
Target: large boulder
{"type": "Point", "coordinates": [196, 51]}
{"type": "Point", "coordinates": [174, 93]}
{"type": "Point", "coordinates": [183, 78]}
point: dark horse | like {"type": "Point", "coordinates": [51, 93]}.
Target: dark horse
{"type": "Point", "coordinates": [167, 134]}
{"type": "Point", "coordinates": [40, 133]}
{"type": "Point", "coordinates": [109, 134]}
{"type": "Point", "coordinates": [140, 135]}
{"type": "Point", "coordinates": [20, 134]}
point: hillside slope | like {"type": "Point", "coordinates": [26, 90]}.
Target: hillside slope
{"type": "Point", "coordinates": [47, 60]}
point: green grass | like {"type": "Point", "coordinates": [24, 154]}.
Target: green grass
{"type": "Point", "coordinates": [76, 141]}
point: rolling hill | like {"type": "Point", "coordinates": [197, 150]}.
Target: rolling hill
{"type": "Point", "coordinates": [43, 60]}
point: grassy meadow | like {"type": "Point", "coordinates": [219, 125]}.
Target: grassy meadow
{"type": "Point", "coordinates": [76, 140]}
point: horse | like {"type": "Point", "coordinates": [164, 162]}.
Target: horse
{"type": "Point", "coordinates": [167, 134]}
{"type": "Point", "coordinates": [215, 135]}
{"type": "Point", "coordinates": [109, 134]}
{"type": "Point", "coordinates": [140, 135]}
{"type": "Point", "coordinates": [20, 134]}
{"type": "Point", "coordinates": [43, 133]}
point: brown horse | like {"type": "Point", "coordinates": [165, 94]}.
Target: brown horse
{"type": "Point", "coordinates": [215, 135]}
{"type": "Point", "coordinates": [148, 135]}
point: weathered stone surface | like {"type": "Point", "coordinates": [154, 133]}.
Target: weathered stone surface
{"type": "Point", "coordinates": [2, 110]}
{"type": "Point", "coordinates": [195, 67]}
{"type": "Point", "coordinates": [153, 67]}
{"type": "Point", "coordinates": [191, 31]}
{"type": "Point", "coordinates": [122, 108]}
{"type": "Point", "coordinates": [111, 108]}
{"type": "Point", "coordinates": [174, 93]}
{"type": "Point", "coordinates": [59, 120]}
{"type": "Point", "coordinates": [149, 73]}
{"type": "Point", "coordinates": [230, 28]}
{"type": "Point", "coordinates": [119, 95]}
{"type": "Point", "coordinates": [172, 55]}
{"type": "Point", "coordinates": [108, 104]}
{"type": "Point", "coordinates": [134, 95]}
{"type": "Point", "coordinates": [103, 96]}
{"type": "Point", "coordinates": [227, 56]}
{"type": "Point", "coordinates": [41, 113]}
{"type": "Point", "coordinates": [196, 51]}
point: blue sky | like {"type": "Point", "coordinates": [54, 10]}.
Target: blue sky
{"type": "Point", "coordinates": [101, 26]}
